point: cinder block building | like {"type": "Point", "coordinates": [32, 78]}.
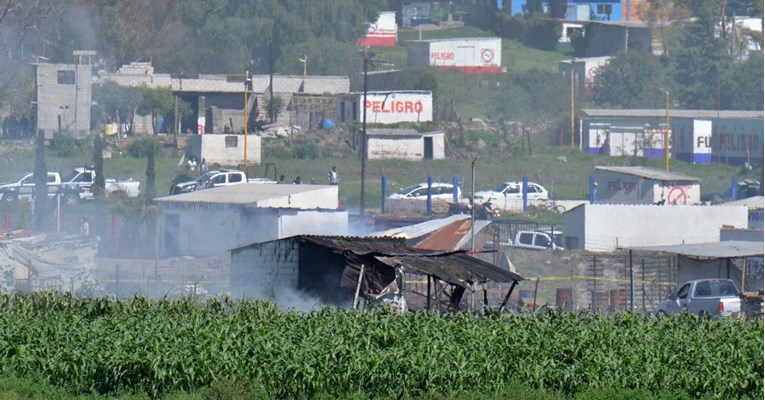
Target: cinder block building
{"type": "Point", "coordinates": [63, 95]}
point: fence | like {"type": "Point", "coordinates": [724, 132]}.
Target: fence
{"type": "Point", "coordinates": [120, 235]}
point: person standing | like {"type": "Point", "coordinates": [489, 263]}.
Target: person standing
{"type": "Point", "coordinates": [203, 166]}
{"type": "Point", "coordinates": [84, 227]}
{"type": "Point", "coordinates": [332, 176]}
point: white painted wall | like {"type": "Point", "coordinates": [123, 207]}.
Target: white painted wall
{"type": "Point", "coordinates": [604, 227]}
{"type": "Point", "coordinates": [619, 188]}
{"type": "Point", "coordinates": [320, 197]}
{"type": "Point", "coordinates": [404, 148]}
{"type": "Point", "coordinates": [213, 148]}
{"type": "Point", "coordinates": [206, 230]}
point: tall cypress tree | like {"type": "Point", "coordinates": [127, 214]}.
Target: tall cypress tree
{"type": "Point", "coordinates": [99, 183]}
{"type": "Point", "coordinates": [41, 184]}
{"type": "Point", "coordinates": [151, 148]}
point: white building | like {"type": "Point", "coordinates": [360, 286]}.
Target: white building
{"type": "Point", "coordinates": [381, 33]}
{"type": "Point", "coordinates": [209, 221]}
{"type": "Point", "coordinates": [64, 96]}
{"type": "Point", "coordinates": [405, 144]}
{"type": "Point", "coordinates": [607, 227]}
{"type": "Point", "coordinates": [467, 55]}
{"type": "Point", "coordinates": [224, 149]}
{"type": "Point", "coordinates": [644, 185]}
{"type": "Point", "coordinates": [387, 107]}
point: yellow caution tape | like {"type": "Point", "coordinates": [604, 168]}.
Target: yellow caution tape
{"type": "Point", "coordinates": [578, 278]}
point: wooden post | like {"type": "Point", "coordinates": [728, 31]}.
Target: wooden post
{"type": "Point", "coordinates": [536, 287]}
{"type": "Point", "coordinates": [358, 287]}
{"type": "Point", "coordinates": [507, 296]}
{"type": "Point", "coordinates": [427, 306]}
{"type": "Point", "coordinates": [743, 275]}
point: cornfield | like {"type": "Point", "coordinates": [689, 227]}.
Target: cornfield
{"type": "Point", "coordinates": [158, 347]}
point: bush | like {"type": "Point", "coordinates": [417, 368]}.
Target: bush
{"type": "Point", "coordinates": [63, 144]}
{"type": "Point", "coordinates": [140, 147]}
{"type": "Point", "coordinates": [305, 151]}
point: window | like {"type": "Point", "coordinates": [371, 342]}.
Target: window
{"type": "Point", "coordinates": [84, 177]}
{"type": "Point", "coordinates": [51, 178]}
{"type": "Point", "coordinates": [220, 179]}
{"type": "Point", "coordinates": [683, 292]}
{"type": "Point", "coordinates": [66, 77]}
{"type": "Point", "coordinates": [526, 238]}
{"type": "Point", "coordinates": [541, 240]}
{"type": "Point", "coordinates": [604, 9]}
{"type": "Point", "coordinates": [232, 141]}
{"type": "Point", "coordinates": [234, 178]}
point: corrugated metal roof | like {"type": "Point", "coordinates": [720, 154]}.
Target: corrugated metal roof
{"type": "Point", "coordinates": [452, 237]}
{"type": "Point", "coordinates": [650, 173]}
{"type": "Point", "coordinates": [754, 203]}
{"type": "Point", "coordinates": [454, 267]}
{"type": "Point", "coordinates": [243, 194]}
{"type": "Point", "coordinates": [402, 132]}
{"type": "Point", "coordinates": [421, 229]}
{"type": "Point", "coordinates": [365, 246]}
{"type": "Point", "coordinates": [458, 268]}
{"type": "Point", "coordinates": [725, 249]}
{"type": "Point", "coordinates": [662, 113]}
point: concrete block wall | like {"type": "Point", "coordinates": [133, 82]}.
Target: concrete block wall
{"type": "Point", "coordinates": [261, 269]}
{"type": "Point", "coordinates": [64, 104]}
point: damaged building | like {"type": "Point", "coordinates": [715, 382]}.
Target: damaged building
{"type": "Point", "coordinates": [337, 270]}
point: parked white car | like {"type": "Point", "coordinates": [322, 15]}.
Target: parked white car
{"type": "Point", "coordinates": [512, 190]}
{"type": "Point", "coordinates": [438, 190]}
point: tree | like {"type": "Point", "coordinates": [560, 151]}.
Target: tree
{"type": "Point", "coordinates": [151, 151]}
{"type": "Point", "coordinates": [696, 57]}
{"type": "Point", "coordinates": [557, 8]}
{"type": "Point", "coordinates": [627, 81]}
{"type": "Point", "coordinates": [157, 102]}
{"type": "Point", "coordinates": [99, 183]}
{"type": "Point", "coordinates": [41, 184]}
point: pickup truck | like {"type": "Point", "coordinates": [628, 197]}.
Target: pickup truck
{"type": "Point", "coordinates": [24, 186]}
{"type": "Point", "coordinates": [539, 239]}
{"type": "Point", "coordinates": [78, 185]}
{"type": "Point", "coordinates": [714, 298]}
{"type": "Point", "coordinates": [215, 178]}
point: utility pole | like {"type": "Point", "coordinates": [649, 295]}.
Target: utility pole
{"type": "Point", "coordinates": [571, 76]}
{"type": "Point", "coordinates": [271, 80]}
{"type": "Point", "coordinates": [246, 89]}
{"type": "Point", "coordinates": [472, 200]}
{"type": "Point", "coordinates": [364, 135]}
{"type": "Point", "coordinates": [666, 134]}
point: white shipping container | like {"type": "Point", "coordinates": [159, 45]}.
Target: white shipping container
{"type": "Point", "coordinates": [469, 55]}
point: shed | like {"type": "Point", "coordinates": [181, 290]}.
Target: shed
{"type": "Point", "coordinates": [404, 144]}
{"type": "Point", "coordinates": [328, 268]}
{"type": "Point", "coordinates": [755, 204]}
{"type": "Point", "coordinates": [209, 221]}
{"type": "Point", "coordinates": [607, 227]}
{"type": "Point", "coordinates": [645, 185]}
{"type": "Point", "coordinates": [698, 136]}
{"type": "Point", "coordinates": [467, 55]}
{"type": "Point", "coordinates": [741, 261]}
{"type": "Point", "coordinates": [224, 149]}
